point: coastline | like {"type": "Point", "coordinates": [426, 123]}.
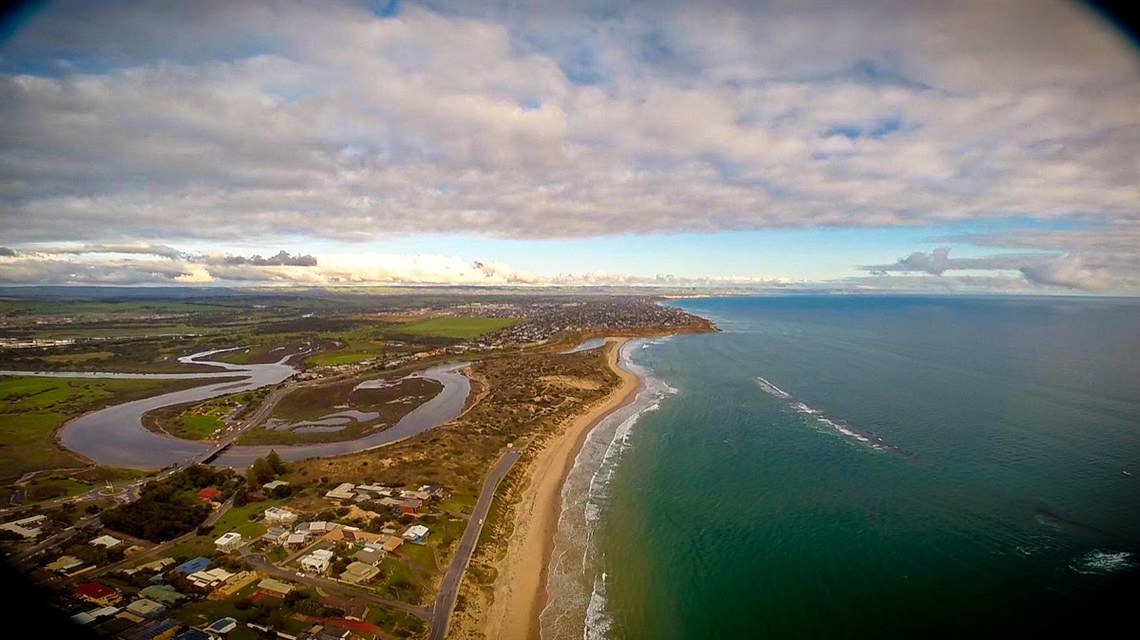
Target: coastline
{"type": "Point", "coordinates": [520, 588]}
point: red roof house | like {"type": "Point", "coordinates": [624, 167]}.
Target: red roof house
{"type": "Point", "coordinates": [209, 494]}
{"type": "Point", "coordinates": [97, 593]}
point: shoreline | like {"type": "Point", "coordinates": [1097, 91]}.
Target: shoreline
{"type": "Point", "coordinates": [520, 588]}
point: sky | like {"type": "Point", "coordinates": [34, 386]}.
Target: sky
{"type": "Point", "coordinates": [878, 145]}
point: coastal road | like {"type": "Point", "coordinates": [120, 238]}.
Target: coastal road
{"type": "Point", "coordinates": [449, 588]}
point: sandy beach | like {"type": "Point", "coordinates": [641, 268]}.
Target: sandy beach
{"type": "Point", "coordinates": [520, 587]}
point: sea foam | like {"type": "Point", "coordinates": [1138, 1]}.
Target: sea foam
{"type": "Point", "coordinates": [577, 580]}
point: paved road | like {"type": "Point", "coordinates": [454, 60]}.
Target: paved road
{"type": "Point", "coordinates": [449, 588]}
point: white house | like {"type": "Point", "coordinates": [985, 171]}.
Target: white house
{"type": "Point", "coordinates": [279, 516]}
{"type": "Point", "coordinates": [107, 542]}
{"type": "Point", "coordinates": [318, 561]}
{"type": "Point", "coordinates": [416, 533]}
{"type": "Point", "coordinates": [229, 542]}
{"type": "Point", "coordinates": [342, 493]}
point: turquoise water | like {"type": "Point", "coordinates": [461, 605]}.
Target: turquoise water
{"type": "Point", "coordinates": [914, 466]}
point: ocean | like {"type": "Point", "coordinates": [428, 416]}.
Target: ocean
{"type": "Point", "coordinates": [848, 466]}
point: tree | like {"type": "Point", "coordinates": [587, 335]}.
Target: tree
{"type": "Point", "coordinates": [262, 471]}
{"type": "Point", "coordinates": [276, 463]}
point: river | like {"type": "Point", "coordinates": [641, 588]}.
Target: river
{"type": "Point", "coordinates": [114, 436]}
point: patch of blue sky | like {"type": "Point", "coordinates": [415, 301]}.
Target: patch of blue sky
{"type": "Point", "coordinates": [385, 8]}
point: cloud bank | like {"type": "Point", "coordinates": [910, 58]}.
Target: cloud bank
{"type": "Point", "coordinates": [160, 264]}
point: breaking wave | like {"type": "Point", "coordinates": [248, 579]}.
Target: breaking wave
{"type": "Point", "coordinates": [833, 425]}
{"type": "Point", "coordinates": [576, 581]}
{"type": "Point", "coordinates": [1099, 562]}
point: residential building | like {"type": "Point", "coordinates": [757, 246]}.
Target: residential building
{"type": "Point", "coordinates": [416, 533]}
{"type": "Point", "coordinates": [88, 617]}
{"type": "Point", "coordinates": [275, 535]}
{"type": "Point", "coordinates": [275, 587]}
{"type": "Point", "coordinates": [270, 486]}
{"type": "Point", "coordinates": [278, 516]}
{"type": "Point", "coordinates": [392, 543]}
{"type": "Point", "coordinates": [229, 542]}
{"type": "Point", "coordinates": [146, 608]}
{"type": "Point", "coordinates": [209, 494]}
{"type": "Point", "coordinates": [64, 564]}
{"type": "Point", "coordinates": [410, 507]}
{"type": "Point", "coordinates": [152, 630]}
{"type": "Point", "coordinates": [96, 593]}
{"type": "Point", "coordinates": [211, 579]}
{"type": "Point", "coordinates": [342, 493]}
{"type": "Point", "coordinates": [359, 573]}
{"type": "Point", "coordinates": [222, 626]}
{"type": "Point", "coordinates": [27, 528]}
{"type": "Point", "coordinates": [163, 593]}
{"type": "Point", "coordinates": [193, 565]}
{"type": "Point", "coordinates": [296, 540]}
{"type": "Point", "coordinates": [369, 555]}
{"type": "Point", "coordinates": [107, 542]}
{"type": "Point", "coordinates": [318, 561]}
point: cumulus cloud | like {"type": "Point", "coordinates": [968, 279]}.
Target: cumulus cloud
{"type": "Point", "coordinates": [1091, 272]}
{"type": "Point", "coordinates": [122, 122]}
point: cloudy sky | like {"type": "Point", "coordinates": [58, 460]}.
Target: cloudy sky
{"type": "Point", "coordinates": [881, 145]}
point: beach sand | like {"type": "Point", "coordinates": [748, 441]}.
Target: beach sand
{"type": "Point", "coordinates": [520, 587]}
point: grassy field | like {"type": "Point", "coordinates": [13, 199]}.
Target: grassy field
{"type": "Point", "coordinates": [31, 409]}
{"type": "Point", "coordinates": [201, 426]}
{"type": "Point", "coordinates": [73, 358]}
{"type": "Point", "coordinates": [460, 328]}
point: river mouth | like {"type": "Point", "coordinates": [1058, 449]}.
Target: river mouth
{"type": "Point", "coordinates": [115, 436]}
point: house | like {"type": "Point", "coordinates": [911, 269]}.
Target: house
{"type": "Point", "coordinates": [88, 617]}
{"type": "Point", "coordinates": [410, 507]}
{"type": "Point", "coordinates": [65, 565]}
{"type": "Point", "coordinates": [278, 516]}
{"type": "Point", "coordinates": [342, 493]}
{"type": "Point", "coordinates": [416, 533]}
{"type": "Point", "coordinates": [434, 491]}
{"type": "Point", "coordinates": [222, 626]}
{"type": "Point", "coordinates": [211, 579]}
{"type": "Point", "coordinates": [96, 593]}
{"type": "Point", "coordinates": [392, 543]}
{"type": "Point", "coordinates": [151, 567]}
{"type": "Point", "coordinates": [275, 535]}
{"type": "Point", "coordinates": [359, 573]}
{"type": "Point", "coordinates": [152, 630]}
{"type": "Point", "coordinates": [318, 561]}
{"type": "Point", "coordinates": [296, 540]}
{"type": "Point", "coordinates": [107, 542]}
{"type": "Point", "coordinates": [27, 528]}
{"type": "Point", "coordinates": [352, 536]}
{"type": "Point", "coordinates": [193, 634]}
{"type": "Point", "coordinates": [369, 555]}
{"type": "Point", "coordinates": [229, 542]}
{"type": "Point", "coordinates": [270, 486]}
{"type": "Point", "coordinates": [209, 494]}
{"type": "Point", "coordinates": [275, 587]}
{"type": "Point", "coordinates": [193, 565]}
{"type": "Point", "coordinates": [146, 608]}
{"type": "Point", "coordinates": [320, 527]}
{"type": "Point", "coordinates": [163, 593]}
